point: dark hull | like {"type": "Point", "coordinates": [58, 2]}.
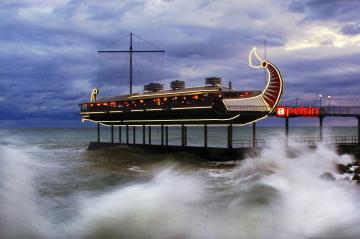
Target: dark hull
{"type": "Point", "coordinates": [186, 116]}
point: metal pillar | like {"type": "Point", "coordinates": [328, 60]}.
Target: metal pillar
{"type": "Point", "coordinates": [230, 143]}
{"type": "Point", "coordinates": [162, 135]}
{"type": "Point", "coordinates": [358, 136]}
{"type": "Point", "coordinates": [98, 132]}
{"type": "Point", "coordinates": [143, 134]}
{"type": "Point", "coordinates": [182, 135]}
{"type": "Point", "coordinates": [254, 134]}
{"type": "Point", "coordinates": [134, 135]}
{"type": "Point", "coordinates": [127, 134]}
{"type": "Point", "coordinates": [149, 134]}
{"type": "Point", "coordinates": [185, 138]}
{"type": "Point", "coordinates": [321, 127]}
{"type": "Point", "coordinates": [205, 136]}
{"type": "Point", "coordinates": [286, 131]}
{"type": "Point", "coordinates": [120, 134]}
{"type": "Point", "coordinates": [166, 135]}
{"type": "Point", "coordinates": [112, 134]}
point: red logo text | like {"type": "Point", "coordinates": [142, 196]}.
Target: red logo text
{"type": "Point", "coordinates": [283, 111]}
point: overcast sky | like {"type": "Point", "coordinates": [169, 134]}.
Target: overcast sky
{"type": "Point", "coordinates": [49, 61]}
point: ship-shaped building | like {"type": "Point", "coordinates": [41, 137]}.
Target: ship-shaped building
{"type": "Point", "coordinates": [212, 103]}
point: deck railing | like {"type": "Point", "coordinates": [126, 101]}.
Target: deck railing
{"type": "Point", "coordinates": [340, 110]}
{"type": "Point", "coordinates": [247, 143]}
{"type": "Point", "coordinates": [247, 108]}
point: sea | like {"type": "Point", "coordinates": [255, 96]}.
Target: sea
{"type": "Point", "coordinates": [52, 187]}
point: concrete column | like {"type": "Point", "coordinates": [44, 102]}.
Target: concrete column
{"type": "Point", "coordinates": [127, 134]}
{"type": "Point", "coordinates": [185, 131]}
{"type": "Point", "coordinates": [143, 134]}
{"type": "Point", "coordinates": [254, 134]}
{"type": "Point", "coordinates": [134, 135]}
{"type": "Point", "coordinates": [166, 135]}
{"type": "Point", "coordinates": [182, 135]}
{"type": "Point", "coordinates": [286, 127]}
{"type": "Point", "coordinates": [205, 136]}
{"type": "Point", "coordinates": [321, 119]}
{"type": "Point", "coordinates": [112, 134]}
{"type": "Point", "coordinates": [149, 135]}
{"type": "Point", "coordinates": [119, 134]}
{"type": "Point", "coordinates": [230, 142]}
{"type": "Point", "coordinates": [98, 132]}
{"type": "Point", "coordinates": [286, 131]}
{"type": "Point", "coordinates": [358, 135]}
{"type": "Point", "coordinates": [162, 135]}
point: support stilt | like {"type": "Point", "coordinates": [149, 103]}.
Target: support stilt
{"type": "Point", "coordinates": [149, 135]}
{"type": "Point", "coordinates": [162, 135]}
{"type": "Point", "coordinates": [254, 134]}
{"type": "Point", "coordinates": [287, 131]}
{"type": "Point", "coordinates": [182, 135]}
{"type": "Point", "coordinates": [185, 133]}
{"type": "Point", "coordinates": [205, 136]}
{"type": "Point", "coordinates": [119, 134]}
{"type": "Point", "coordinates": [127, 134]}
{"type": "Point", "coordinates": [358, 130]}
{"type": "Point", "coordinates": [321, 127]}
{"type": "Point", "coordinates": [230, 145]}
{"type": "Point", "coordinates": [134, 135]}
{"type": "Point", "coordinates": [112, 134]}
{"type": "Point", "coordinates": [98, 132]}
{"type": "Point", "coordinates": [166, 135]}
{"type": "Point", "coordinates": [143, 134]}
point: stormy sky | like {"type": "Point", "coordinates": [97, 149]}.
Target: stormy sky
{"type": "Point", "coordinates": [49, 61]}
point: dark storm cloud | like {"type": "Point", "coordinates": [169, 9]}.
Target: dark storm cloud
{"type": "Point", "coordinates": [49, 61]}
{"type": "Point", "coordinates": [342, 10]}
{"type": "Point", "coordinates": [351, 29]}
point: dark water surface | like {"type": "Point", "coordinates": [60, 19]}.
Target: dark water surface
{"type": "Point", "coordinates": [51, 187]}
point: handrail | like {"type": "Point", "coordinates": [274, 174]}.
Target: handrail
{"type": "Point", "coordinates": [310, 140]}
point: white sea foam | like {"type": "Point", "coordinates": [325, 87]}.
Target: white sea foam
{"type": "Point", "coordinates": [277, 194]}
{"type": "Point", "coordinates": [19, 217]}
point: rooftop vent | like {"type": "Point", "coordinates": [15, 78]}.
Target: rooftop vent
{"type": "Point", "coordinates": [177, 84]}
{"type": "Point", "coordinates": [153, 87]}
{"type": "Point", "coordinates": [213, 80]}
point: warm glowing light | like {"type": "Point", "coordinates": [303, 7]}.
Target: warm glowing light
{"type": "Point", "coordinates": [94, 93]}
{"type": "Point", "coordinates": [282, 111]}
{"type": "Point", "coordinates": [261, 64]}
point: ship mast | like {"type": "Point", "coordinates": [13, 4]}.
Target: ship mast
{"type": "Point", "coordinates": [130, 51]}
{"type": "Point", "coordinates": [130, 65]}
